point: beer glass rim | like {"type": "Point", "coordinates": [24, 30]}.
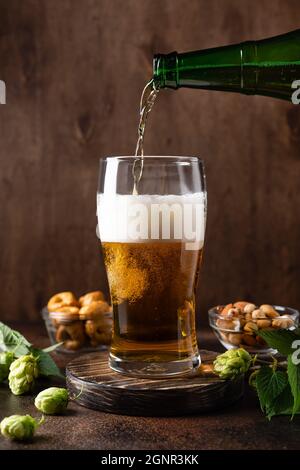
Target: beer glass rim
{"type": "Point", "coordinates": [169, 159]}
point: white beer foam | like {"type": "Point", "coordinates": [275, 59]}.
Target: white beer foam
{"type": "Point", "coordinates": [140, 218]}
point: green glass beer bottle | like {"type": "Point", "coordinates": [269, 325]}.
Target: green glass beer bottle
{"type": "Point", "coordinates": [269, 67]}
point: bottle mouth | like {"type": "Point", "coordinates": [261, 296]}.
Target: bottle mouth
{"type": "Point", "coordinates": [158, 67]}
{"type": "Point", "coordinates": [165, 70]}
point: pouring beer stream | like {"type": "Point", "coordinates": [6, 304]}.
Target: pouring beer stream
{"type": "Point", "coordinates": [146, 104]}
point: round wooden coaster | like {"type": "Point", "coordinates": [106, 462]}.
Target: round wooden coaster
{"type": "Point", "coordinates": [100, 388]}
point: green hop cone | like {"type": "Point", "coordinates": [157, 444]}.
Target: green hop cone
{"type": "Point", "coordinates": [6, 358]}
{"type": "Point", "coordinates": [19, 427]}
{"type": "Point", "coordinates": [232, 363]}
{"type": "Point", "coordinates": [53, 400]}
{"type": "Point", "coordinates": [22, 375]}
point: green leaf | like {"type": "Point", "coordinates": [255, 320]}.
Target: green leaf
{"type": "Point", "coordinates": [269, 384]}
{"type": "Point", "coordinates": [52, 347]}
{"type": "Point", "coordinates": [282, 404]}
{"type": "Point", "coordinates": [12, 340]}
{"type": "Point", "coordinates": [279, 339]}
{"type": "Point", "coordinates": [47, 366]}
{"type": "Point", "coordinates": [294, 380]}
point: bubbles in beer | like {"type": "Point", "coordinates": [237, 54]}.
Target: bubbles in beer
{"type": "Point", "coordinates": [146, 104]}
{"type": "Point", "coordinates": [138, 270]}
{"type": "Point", "coordinates": [128, 278]}
{"type": "Point", "coordinates": [152, 273]}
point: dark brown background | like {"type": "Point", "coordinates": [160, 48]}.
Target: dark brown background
{"type": "Point", "coordinates": [74, 71]}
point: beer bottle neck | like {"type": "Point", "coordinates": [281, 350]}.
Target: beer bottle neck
{"type": "Point", "coordinates": [211, 68]}
{"type": "Point", "coordinates": [266, 67]}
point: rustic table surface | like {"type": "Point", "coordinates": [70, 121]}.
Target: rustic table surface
{"type": "Point", "coordinates": [242, 426]}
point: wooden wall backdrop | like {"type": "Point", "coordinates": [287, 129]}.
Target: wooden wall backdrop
{"type": "Point", "coordinates": [74, 70]}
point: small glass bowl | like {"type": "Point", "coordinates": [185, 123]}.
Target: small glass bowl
{"type": "Point", "coordinates": [231, 334]}
{"type": "Point", "coordinates": [74, 332]}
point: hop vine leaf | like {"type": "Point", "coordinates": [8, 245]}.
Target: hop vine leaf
{"type": "Point", "coordinates": [13, 341]}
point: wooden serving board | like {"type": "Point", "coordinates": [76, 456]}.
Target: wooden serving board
{"type": "Point", "coordinates": [103, 389]}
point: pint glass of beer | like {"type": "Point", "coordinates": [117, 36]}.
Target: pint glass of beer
{"type": "Point", "coordinates": [152, 239]}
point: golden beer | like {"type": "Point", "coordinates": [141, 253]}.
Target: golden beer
{"type": "Point", "coordinates": [152, 235]}
{"type": "Point", "coordinates": [152, 288]}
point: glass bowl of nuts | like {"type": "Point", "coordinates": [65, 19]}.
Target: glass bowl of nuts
{"type": "Point", "coordinates": [237, 324]}
{"type": "Point", "coordinates": [81, 324]}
